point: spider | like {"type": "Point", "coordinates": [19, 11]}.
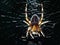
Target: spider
{"type": "Point", "coordinates": [34, 24]}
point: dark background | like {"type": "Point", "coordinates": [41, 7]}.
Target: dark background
{"type": "Point", "coordinates": [12, 27]}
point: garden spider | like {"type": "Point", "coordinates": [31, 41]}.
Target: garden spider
{"type": "Point", "coordinates": [34, 23]}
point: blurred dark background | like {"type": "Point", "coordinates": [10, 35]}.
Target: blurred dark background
{"type": "Point", "coordinates": [12, 16]}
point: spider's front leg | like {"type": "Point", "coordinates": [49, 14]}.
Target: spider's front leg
{"type": "Point", "coordinates": [40, 21]}
{"type": "Point", "coordinates": [26, 15]}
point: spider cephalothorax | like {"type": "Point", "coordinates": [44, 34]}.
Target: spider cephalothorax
{"type": "Point", "coordinates": [34, 23]}
{"type": "Point", "coordinates": [34, 19]}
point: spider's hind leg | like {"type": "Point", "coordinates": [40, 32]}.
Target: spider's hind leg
{"type": "Point", "coordinates": [28, 31]}
{"type": "Point", "coordinates": [31, 35]}
{"type": "Point", "coordinates": [43, 34]}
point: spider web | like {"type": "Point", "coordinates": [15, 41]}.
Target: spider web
{"type": "Point", "coordinates": [12, 16]}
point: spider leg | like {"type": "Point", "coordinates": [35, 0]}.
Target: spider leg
{"type": "Point", "coordinates": [39, 34]}
{"type": "Point", "coordinates": [41, 14]}
{"type": "Point", "coordinates": [27, 34]}
{"type": "Point", "coordinates": [28, 31]}
{"type": "Point", "coordinates": [31, 35]}
{"type": "Point", "coordinates": [45, 22]}
{"type": "Point", "coordinates": [26, 22]}
{"type": "Point", "coordinates": [26, 14]}
{"type": "Point", "coordinates": [43, 34]}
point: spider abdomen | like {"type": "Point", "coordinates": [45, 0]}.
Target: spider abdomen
{"type": "Point", "coordinates": [35, 28]}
